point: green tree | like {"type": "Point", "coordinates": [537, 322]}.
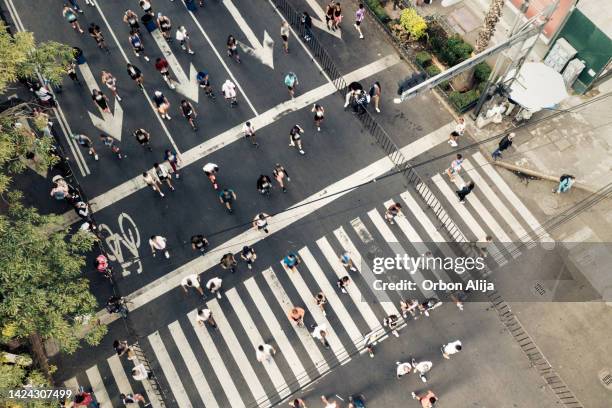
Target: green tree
{"type": "Point", "coordinates": [412, 22]}
{"type": "Point", "coordinates": [16, 371]}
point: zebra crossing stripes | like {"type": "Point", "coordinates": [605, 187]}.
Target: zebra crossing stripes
{"type": "Point", "coordinates": [235, 348]}
{"type": "Point", "coordinates": [172, 377]}
{"type": "Point", "coordinates": [353, 291]}
{"type": "Point", "coordinates": [216, 361]}
{"type": "Point", "coordinates": [72, 384]}
{"type": "Point", "coordinates": [284, 345]}
{"type": "Point", "coordinates": [96, 383]}
{"type": "Point", "coordinates": [123, 384]}
{"type": "Point", "coordinates": [247, 323]}
{"type": "Point", "coordinates": [193, 367]}
{"type": "Point", "coordinates": [286, 304]}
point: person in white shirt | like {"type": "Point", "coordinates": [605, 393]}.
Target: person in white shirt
{"type": "Point", "coordinates": [211, 170]}
{"type": "Point", "coordinates": [402, 369]}
{"type": "Point", "coordinates": [214, 285]}
{"type": "Point", "coordinates": [451, 348]}
{"type": "Point", "coordinates": [422, 368]}
{"type": "Point", "coordinates": [249, 133]}
{"type": "Point", "coordinates": [139, 372]}
{"type": "Point", "coordinates": [265, 352]}
{"type": "Point", "coordinates": [183, 38]}
{"type": "Point", "coordinates": [153, 182]}
{"type": "Point", "coordinates": [459, 131]}
{"type": "Point", "coordinates": [320, 333]}
{"type": "Point", "coordinates": [192, 281]}
{"type": "Point", "coordinates": [158, 243]}
{"type": "Point", "coordinates": [205, 316]}
{"type": "Point", "coordinates": [327, 403]}
{"type": "Point", "coordinates": [229, 92]}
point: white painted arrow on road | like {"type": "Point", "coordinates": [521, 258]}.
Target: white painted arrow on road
{"type": "Point", "coordinates": [109, 123]}
{"type": "Point", "coordinates": [185, 85]}
{"type": "Point", "coordinates": [320, 21]}
{"type": "Point", "coordinates": [263, 52]}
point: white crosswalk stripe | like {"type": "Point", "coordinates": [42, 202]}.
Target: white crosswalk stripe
{"type": "Point", "coordinates": [72, 384]}
{"type": "Point", "coordinates": [123, 384]}
{"type": "Point", "coordinates": [193, 367]}
{"type": "Point", "coordinates": [234, 347]}
{"type": "Point", "coordinates": [277, 331]}
{"type": "Point", "coordinates": [97, 385]}
{"type": "Point", "coordinates": [256, 340]}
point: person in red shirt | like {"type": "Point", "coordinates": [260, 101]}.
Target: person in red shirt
{"type": "Point", "coordinates": [161, 64]}
{"type": "Point", "coordinates": [428, 400]}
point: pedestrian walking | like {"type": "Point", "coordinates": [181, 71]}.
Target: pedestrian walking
{"type": "Point", "coordinates": [143, 138]}
{"type": "Point", "coordinates": [329, 15]}
{"type": "Point", "coordinates": [44, 95]}
{"type": "Point", "coordinates": [359, 17]}
{"type": "Point", "coordinates": [504, 143]}
{"type": "Point", "coordinates": [280, 174]}
{"type": "Point", "coordinates": [307, 23]}
{"type": "Point", "coordinates": [265, 353]}
{"type": "Point", "coordinates": [140, 373]}
{"type": "Point", "coordinates": [459, 297]}
{"type": "Point", "coordinates": [214, 285]}
{"type": "Point", "coordinates": [451, 348]}
{"type": "Point", "coordinates": [347, 262]}
{"type": "Point", "coordinates": [163, 175]}
{"type": "Point", "coordinates": [211, 170]}
{"type": "Point", "coordinates": [393, 211]}
{"type": "Point", "coordinates": [136, 75]}
{"type": "Point", "coordinates": [458, 132]}
{"type": "Point", "coordinates": [249, 133]}
{"type": "Point", "coordinates": [182, 36]}
{"type": "Point", "coordinates": [159, 243]}
{"type": "Point", "coordinates": [137, 45]}
{"type": "Point", "coordinates": [101, 100]}
{"type": "Point", "coordinates": [131, 19]}
{"type": "Point", "coordinates": [248, 255]}
{"type": "Point", "coordinates": [96, 33]}
{"type": "Point", "coordinates": [110, 143]}
{"type": "Point", "coordinates": [291, 261]}
{"type": "Point", "coordinates": [71, 16]}
{"type": "Point", "coordinates": [482, 245]}
{"type": "Point", "coordinates": [427, 400]}
{"type": "Point", "coordinates": [260, 222]}
{"type": "Point", "coordinates": [162, 66]}
{"type": "Point", "coordinates": [203, 79]}
{"type": "Point", "coordinates": [229, 93]}
{"type": "Point", "coordinates": [375, 92]}
{"type": "Point", "coordinates": [227, 196]}
{"type": "Point", "coordinates": [121, 347]}
{"type": "Point", "coordinates": [264, 185]}
{"type": "Point", "coordinates": [320, 333]}
{"type": "Point", "coordinates": [566, 181]}
{"type": "Point", "coordinates": [337, 17]}
{"type": "Point", "coordinates": [174, 161]}
{"type": "Point", "coordinates": [111, 83]}
{"type": "Point", "coordinates": [291, 81]}
{"type": "Point", "coordinates": [297, 403]}
{"type": "Point", "coordinates": [296, 314]}
{"type": "Point", "coordinates": [422, 368]}
{"type": "Point", "coordinates": [86, 143]}
{"type": "Point", "coordinates": [132, 399]}
{"type": "Point", "coordinates": [464, 191]}
{"type": "Point", "coordinates": [165, 26]}
{"type": "Point", "coordinates": [189, 113]}
{"type": "Point", "coordinates": [232, 48]}
{"type": "Point", "coordinates": [228, 262]}
{"type": "Point", "coordinates": [295, 139]}
{"type": "Point", "coordinates": [402, 369]}
{"type": "Point", "coordinates": [409, 306]}
{"type": "Point", "coordinates": [82, 210]}
{"type": "Point", "coordinates": [284, 33]}
{"type": "Point", "coordinates": [153, 181]}
{"type": "Point", "coordinates": [321, 301]}
{"type": "Point", "coordinates": [199, 243]}
{"type": "Point", "coordinates": [454, 167]}
{"type": "Point", "coordinates": [162, 104]}
{"type": "Point", "coordinates": [72, 73]}
{"type": "Point", "coordinates": [205, 316]}
{"type": "Point", "coordinates": [75, 6]}
{"type": "Point", "coordinates": [319, 115]}
{"type": "Point", "coordinates": [391, 322]}
{"type": "Point", "coordinates": [343, 283]}
{"type": "Point", "coordinates": [145, 5]}
{"type": "Point", "coordinates": [192, 281]}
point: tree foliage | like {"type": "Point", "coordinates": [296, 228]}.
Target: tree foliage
{"type": "Point", "coordinates": [412, 22]}
{"type": "Point", "coordinates": [15, 374]}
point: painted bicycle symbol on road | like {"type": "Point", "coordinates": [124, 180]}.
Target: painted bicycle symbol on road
{"type": "Point", "coordinates": [127, 238]}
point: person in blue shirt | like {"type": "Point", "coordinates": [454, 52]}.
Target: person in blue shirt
{"type": "Point", "coordinates": [291, 261]}
{"type": "Point", "coordinates": [226, 197]}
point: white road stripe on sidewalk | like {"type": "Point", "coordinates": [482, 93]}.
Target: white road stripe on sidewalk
{"type": "Point", "coordinates": [234, 347]}
{"type": "Point", "coordinates": [305, 338]}
{"type": "Point", "coordinates": [216, 362]}
{"type": "Point", "coordinates": [167, 366]}
{"type": "Point", "coordinates": [512, 198]}
{"type": "Point", "coordinates": [277, 331]}
{"type": "Point", "coordinates": [97, 385]}
{"type": "Point", "coordinates": [353, 291]}
{"type": "Point", "coordinates": [123, 384]}
{"type": "Point", "coordinates": [256, 340]}
{"type": "Point", "coordinates": [192, 365]}
{"type": "Point", "coordinates": [499, 206]}
{"type": "Point", "coordinates": [396, 247]}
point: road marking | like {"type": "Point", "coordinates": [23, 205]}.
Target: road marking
{"type": "Point", "coordinates": [123, 384]}
{"type": "Point", "coordinates": [513, 198]}
{"type": "Point", "coordinates": [234, 347]}
{"type": "Point", "coordinates": [262, 51]}
{"type": "Point", "coordinates": [72, 384]}
{"type": "Point", "coordinates": [186, 85]}
{"type": "Point", "coordinates": [208, 398]}
{"type": "Point", "coordinates": [286, 304]}
{"type": "Point", "coordinates": [216, 362]}
{"type": "Point", "coordinates": [172, 377]}
{"type": "Point", "coordinates": [97, 385]}
{"type": "Point", "coordinates": [319, 21]}
{"type": "Point", "coordinates": [277, 331]}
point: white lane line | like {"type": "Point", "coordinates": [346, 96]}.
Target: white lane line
{"type": "Point", "coordinates": [286, 304]}
{"type": "Point", "coordinates": [123, 384]}
{"type": "Point", "coordinates": [167, 366]}
{"type": "Point", "coordinates": [365, 270]}
{"type": "Point", "coordinates": [308, 299]}
{"type": "Point", "coordinates": [193, 367]}
{"type": "Point", "coordinates": [353, 290]}
{"type": "Point", "coordinates": [293, 214]}
{"type": "Point", "coordinates": [465, 215]}
{"type": "Point", "coordinates": [237, 352]}
{"type": "Point", "coordinates": [331, 294]}
{"type": "Point", "coordinates": [97, 385]}
{"type": "Point", "coordinates": [398, 249]}
{"type": "Point", "coordinates": [512, 198]}
{"type": "Point", "coordinates": [501, 208]}
{"type": "Point", "coordinates": [72, 384]}
{"type": "Point", "coordinates": [256, 340]}
{"type": "Point", "coordinates": [277, 331]}
{"type": "Point", "coordinates": [216, 362]}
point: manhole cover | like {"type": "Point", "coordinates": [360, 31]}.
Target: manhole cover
{"type": "Point", "coordinates": [605, 376]}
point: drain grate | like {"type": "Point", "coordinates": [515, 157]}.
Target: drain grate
{"type": "Point", "coordinates": [605, 376]}
{"type": "Point", "coordinates": [540, 289]}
